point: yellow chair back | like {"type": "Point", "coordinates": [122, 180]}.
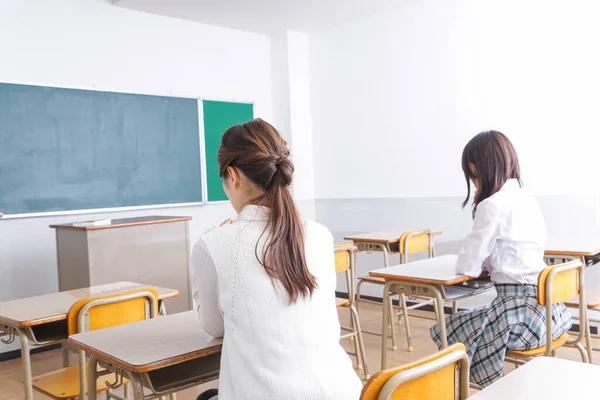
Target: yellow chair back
{"type": "Point", "coordinates": [342, 253]}
{"type": "Point", "coordinates": [437, 385]}
{"type": "Point", "coordinates": [117, 312]}
{"type": "Point", "coordinates": [564, 284]}
{"type": "Point", "coordinates": [418, 241]}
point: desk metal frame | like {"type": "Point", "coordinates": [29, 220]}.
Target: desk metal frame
{"type": "Point", "coordinates": [138, 381]}
{"type": "Point", "coordinates": [29, 342]}
{"type": "Point", "coordinates": [435, 292]}
{"type": "Point", "coordinates": [386, 248]}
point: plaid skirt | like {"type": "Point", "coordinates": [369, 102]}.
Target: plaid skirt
{"type": "Point", "coordinates": [514, 321]}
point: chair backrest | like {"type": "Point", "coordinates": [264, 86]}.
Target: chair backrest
{"type": "Point", "coordinates": [416, 242]}
{"type": "Point", "coordinates": [343, 256]}
{"type": "Point", "coordinates": [112, 310]}
{"type": "Point", "coordinates": [433, 378]}
{"type": "Point", "coordinates": [559, 283]}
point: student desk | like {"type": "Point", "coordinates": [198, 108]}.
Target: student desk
{"type": "Point", "coordinates": [385, 241]}
{"type": "Point", "coordinates": [42, 320]}
{"type": "Point", "coordinates": [435, 278]}
{"type": "Point", "coordinates": [573, 248]}
{"type": "Point", "coordinates": [164, 354]}
{"type": "Point", "coordinates": [545, 378]}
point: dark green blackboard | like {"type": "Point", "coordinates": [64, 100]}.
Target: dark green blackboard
{"type": "Point", "coordinates": [66, 149]}
{"type": "Point", "coordinates": [218, 116]}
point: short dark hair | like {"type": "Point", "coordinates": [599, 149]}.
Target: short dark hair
{"type": "Point", "coordinates": [495, 160]}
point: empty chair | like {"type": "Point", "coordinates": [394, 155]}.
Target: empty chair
{"type": "Point", "coordinates": [441, 376]}
{"type": "Point", "coordinates": [88, 315]}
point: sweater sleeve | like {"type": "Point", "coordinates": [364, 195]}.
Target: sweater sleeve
{"type": "Point", "coordinates": [206, 291]}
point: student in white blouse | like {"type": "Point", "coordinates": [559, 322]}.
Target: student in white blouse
{"type": "Point", "coordinates": [507, 241]}
{"type": "Point", "coordinates": [265, 282]}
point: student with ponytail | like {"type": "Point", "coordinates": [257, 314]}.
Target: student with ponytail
{"type": "Point", "coordinates": [265, 282]}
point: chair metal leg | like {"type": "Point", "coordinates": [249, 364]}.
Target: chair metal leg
{"type": "Point", "coordinates": [26, 361]}
{"type": "Point", "coordinates": [583, 352]}
{"type": "Point", "coordinates": [391, 323]}
{"type": "Point", "coordinates": [439, 308]}
{"type": "Point", "coordinates": [65, 355]}
{"type": "Point", "coordinates": [400, 317]}
{"type": "Point", "coordinates": [359, 344]}
{"type": "Point", "coordinates": [588, 338]}
{"type": "Point", "coordinates": [406, 324]}
{"type": "Point", "coordinates": [384, 322]}
{"type": "Point", "coordinates": [357, 299]}
{"type": "Point", "coordinates": [82, 376]}
{"type": "Point", "coordinates": [91, 375]}
{"type": "Point", "coordinates": [352, 328]}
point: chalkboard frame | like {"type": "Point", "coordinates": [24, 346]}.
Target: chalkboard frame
{"type": "Point", "coordinates": [204, 201]}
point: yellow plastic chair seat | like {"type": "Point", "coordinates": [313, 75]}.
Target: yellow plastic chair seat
{"type": "Point", "coordinates": [372, 279]}
{"type": "Point", "coordinates": [539, 350]}
{"type": "Point", "coordinates": [64, 383]}
{"type": "Point", "coordinates": [341, 302]}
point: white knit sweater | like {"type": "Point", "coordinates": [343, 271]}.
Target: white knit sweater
{"type": "Point", "coordinates": [271, 350]}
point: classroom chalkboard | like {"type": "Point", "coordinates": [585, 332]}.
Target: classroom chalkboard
{"type": "Point", "coordinates": [67, 149]}
{"type": "Point", "coordinates": [218, 116]}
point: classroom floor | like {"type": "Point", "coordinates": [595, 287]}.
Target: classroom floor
{"type": "Point", "coordinates": [10, 371]}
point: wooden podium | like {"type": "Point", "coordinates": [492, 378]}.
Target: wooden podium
{"type": "Point", "coordinates": [151, 250]}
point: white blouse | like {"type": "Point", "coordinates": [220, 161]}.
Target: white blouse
{"type": "Point", "coordinates": [508, 238]}
{"type": "Point", "coordinates": [271, 350]}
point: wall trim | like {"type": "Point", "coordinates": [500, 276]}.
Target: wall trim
{"type": "Point", "coordinates": [14, 354]}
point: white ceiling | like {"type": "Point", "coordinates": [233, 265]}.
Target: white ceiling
{"type": "Point", "coordinates": [265, 16]}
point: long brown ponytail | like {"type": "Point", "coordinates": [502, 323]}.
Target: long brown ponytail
{"type": "Point", "coordinates": [262, 155]}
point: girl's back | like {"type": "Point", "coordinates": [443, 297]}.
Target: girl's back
{"type": "Point", "coordinates": [274, 349]}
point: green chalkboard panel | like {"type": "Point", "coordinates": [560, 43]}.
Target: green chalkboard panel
{"type": "Point", "coordinates": [66, 149]}
{"type": "Point", "coordinates": [218, 116]}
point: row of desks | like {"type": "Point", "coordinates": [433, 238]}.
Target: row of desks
{"type": "Point", "coordinates": [577, 247]}
{"type": "Point", "coordinates": [172, 351]}
{"type": "Point", "coordinates": [152, 351]}
{"type": "Point", "coordinates": [436, 278]}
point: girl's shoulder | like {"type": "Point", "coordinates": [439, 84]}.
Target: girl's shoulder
{"type": "Point", "coordinates": [316, 229]}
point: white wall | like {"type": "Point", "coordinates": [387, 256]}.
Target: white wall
{"type": "Point", "coordinates": [402, 93]}
{"type": "Point", "coordinates": [91, 44]}
{"type": "Point", "coordinates": [298, 47]}
{"type": "Point", "coordinates": [396, 96]}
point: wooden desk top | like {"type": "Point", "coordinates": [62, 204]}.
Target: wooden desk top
{"type": "Point", "coordinates": [545, 378]}
{"type": "Point", "coordinates": [384, 237]}
{"type": "Point", "coordinates": [572, 246]}
{"type": "Point", "coordinates": [125, 222]}
{"type": "Point", "coordinates": [431, 271]}
{"type": "Point", "coordinates": [53, 307]}
{"type": "Point", "coordinates": [150, 345]}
